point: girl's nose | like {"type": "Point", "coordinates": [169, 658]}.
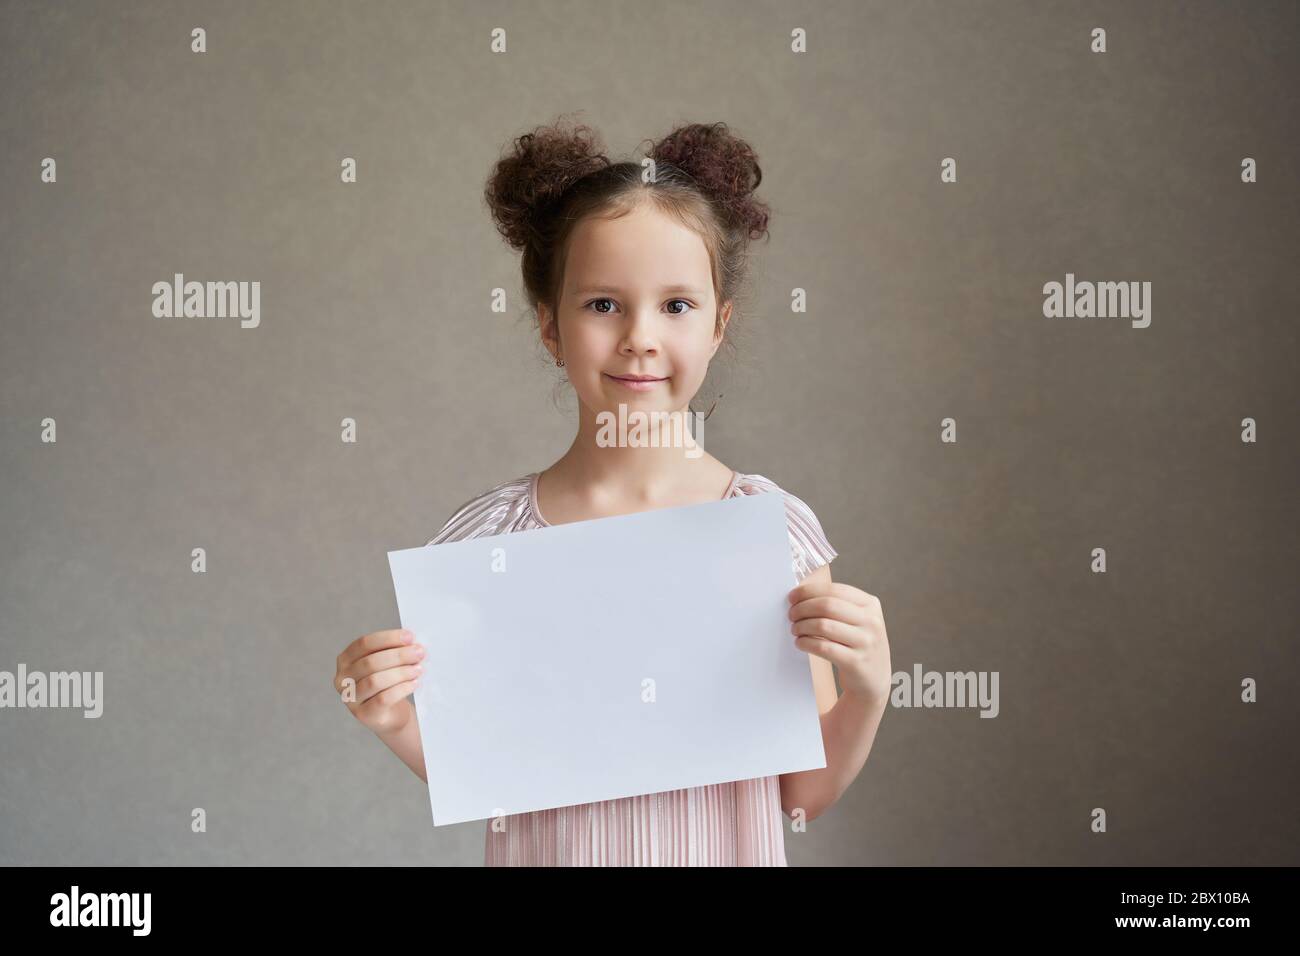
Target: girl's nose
{"type": "Point", "coordinates": [642, 333]}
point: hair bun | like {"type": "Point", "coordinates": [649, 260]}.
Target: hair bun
{"type": "Point", "coordinates": [534, 174]}
{"type": "Point", "coordinates": [724, 166]}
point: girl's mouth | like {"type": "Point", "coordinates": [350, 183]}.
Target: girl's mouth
{"type": "Point", "coordinates": [636, 385]}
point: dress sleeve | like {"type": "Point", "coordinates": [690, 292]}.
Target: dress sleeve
{"type": "Point", "coordinates": [809, 547]}
{"type": "Point", "coordinates": [496, 511]}
{"type": "Point", "coordinates": [462, 522]}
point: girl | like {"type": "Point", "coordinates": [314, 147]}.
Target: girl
{"type": "Point", "coordinates": [633, 283]}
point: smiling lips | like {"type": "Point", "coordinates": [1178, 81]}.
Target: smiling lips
{"type": "Point", "coordinates": [638, 383]}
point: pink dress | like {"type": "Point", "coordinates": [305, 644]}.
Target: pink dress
{"type": "Point", "coordinates": [727, 824]}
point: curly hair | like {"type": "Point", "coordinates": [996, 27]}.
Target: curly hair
{"type": "Point", "coordinates": [556, 175]}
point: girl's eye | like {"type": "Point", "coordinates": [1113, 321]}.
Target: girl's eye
{"type": "Point", "coordinates": [599, 311]}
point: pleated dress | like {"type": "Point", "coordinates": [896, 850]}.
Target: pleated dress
{"type": "Point", "coordinates": [739, 823]}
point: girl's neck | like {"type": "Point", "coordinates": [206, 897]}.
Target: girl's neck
{"type": "Point", "coordinates": [591, 480]}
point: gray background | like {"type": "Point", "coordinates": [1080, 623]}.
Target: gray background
{"type": "Point", "coordinates": [1118, 690]}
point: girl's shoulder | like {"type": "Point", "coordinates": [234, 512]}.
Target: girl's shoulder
{"type": "Point", "coordinates": [809, 547]}
{"type": "Point", "coordinates": [498, 510]}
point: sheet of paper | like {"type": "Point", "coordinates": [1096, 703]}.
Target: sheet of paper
{"type": "Point", "coordinates": [608, 658]}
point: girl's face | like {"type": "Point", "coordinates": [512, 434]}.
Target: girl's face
{"type": "Point", "coordinates": [637, 300]}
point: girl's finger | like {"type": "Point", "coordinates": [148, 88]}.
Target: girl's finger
{"type": "Point", "coordinates": [828, 650]}
{"type": "Point", "coordinates": [375, 683]}
{"type": "Point", "coordinates": [844, 634]}
{"type": "Point", "coordinates": [394, 694]}
{"type": "Point", "coordinates": [374, 641]}
{"type": "Point", "coordinates": [383, 660]}
{"type": "Point", "coordinates": [839, 589]}
{"type": "Point", "coordinates": [833, 607]}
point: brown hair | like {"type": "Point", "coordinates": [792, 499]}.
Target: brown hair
{"type": "Point", "coordinates": [556, 175]}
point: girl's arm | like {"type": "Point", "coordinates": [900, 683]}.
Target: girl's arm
{"type": "Point", "coordinates": [849, 722]}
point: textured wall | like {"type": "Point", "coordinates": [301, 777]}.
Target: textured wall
{"type": "Point", "coordinates": [1118, 690]}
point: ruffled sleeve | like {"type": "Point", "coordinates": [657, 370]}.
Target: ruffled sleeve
{"type": "Point", "coordinates": [499, 510]}
{"type": "Point", "coordinates": [809, 547]}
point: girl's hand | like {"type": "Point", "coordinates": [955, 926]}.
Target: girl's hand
{"type": "Point", "coordinates": [846, 626]}
{"type": "Point", "coordinates": [375, 674]}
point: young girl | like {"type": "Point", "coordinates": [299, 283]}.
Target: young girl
{"type": "Point", "coordinates": [633, 281]}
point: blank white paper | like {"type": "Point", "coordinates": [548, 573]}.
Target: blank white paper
{"type": "Point", "coordinates": [608, 658]}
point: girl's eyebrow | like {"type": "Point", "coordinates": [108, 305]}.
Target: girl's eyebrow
{"type": "Point", "coordinates": [607, 289]}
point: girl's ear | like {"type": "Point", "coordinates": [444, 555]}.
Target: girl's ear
{"type": "Point", "coordinates": [550, 338]}
{"type": "Point", "coordinates": [724, 316]}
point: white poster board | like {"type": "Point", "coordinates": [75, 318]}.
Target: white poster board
{"type": "Point", "coordinates": [608, 658]}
